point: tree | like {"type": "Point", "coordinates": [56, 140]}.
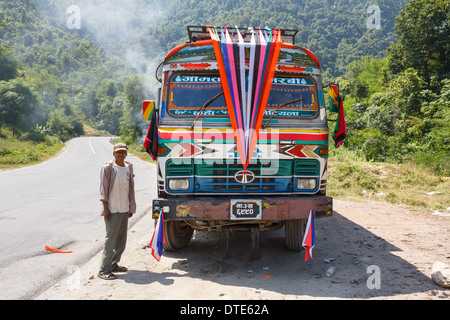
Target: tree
{"type": "Point", "coordinates": [8, 65]}
{"type": "Point", "coordinates": [130, 128]}
{"type": "Point", "coordinates": [16, 102]}
{"type": "Point", "coordinates": [423, 43]}
{"type": "Point", "coordinates": [436, 138]}
{"type": "Point", "coordinates": [381, 119]}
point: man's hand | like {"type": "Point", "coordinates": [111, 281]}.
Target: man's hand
{"type": "Point", "coordinates": [106, 213]}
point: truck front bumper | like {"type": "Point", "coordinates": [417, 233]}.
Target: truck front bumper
{"type": "Point", "coordinates": [218, 208]}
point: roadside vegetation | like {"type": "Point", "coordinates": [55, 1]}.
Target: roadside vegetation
{"type": "Point", "coordinates": [26, 149]}
{"type": "Point", "coordinates": [412, 186]}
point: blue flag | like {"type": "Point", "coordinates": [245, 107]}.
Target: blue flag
{"type": "Point", "coordinates": [157, 242]}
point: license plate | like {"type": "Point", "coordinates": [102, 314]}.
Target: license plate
{"type": "Point", "coordinates": [245, 209]}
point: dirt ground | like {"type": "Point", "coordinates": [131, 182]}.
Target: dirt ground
{"type": "Point", "coordinates": [379, 251]}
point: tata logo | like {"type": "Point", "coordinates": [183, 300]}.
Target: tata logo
{"type": "Point", "coordinates": [244, 176]}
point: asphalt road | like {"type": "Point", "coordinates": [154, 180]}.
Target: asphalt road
{"type": "Point", "coordinates": [56, 204]}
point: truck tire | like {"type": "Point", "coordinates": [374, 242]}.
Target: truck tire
{"type": "Point", "coordinates": [177, 235]}
{"type": "Point", "coordinates": [294, 232]}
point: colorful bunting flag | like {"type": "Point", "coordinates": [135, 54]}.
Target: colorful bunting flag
{"type": "Point", "coordinates": [157, 242]}
{"type": "Point", "coordinates": [337, 105]}
{"type": "Point", "coordinates": [340, 129]}
{"type": "Point", "coordinates": [246, 80]}
{"type": "Point", "coordinates": [334, 98]}
{"type": "Point", "coordinates": [308, 239]}
{"type": "Point", "coordinates": [151, 139]}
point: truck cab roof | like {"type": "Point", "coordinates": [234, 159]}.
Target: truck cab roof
{"type": "Point", "coordinates": [199, 33]}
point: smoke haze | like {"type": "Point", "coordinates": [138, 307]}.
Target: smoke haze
{"type": "Point", "coordinates": [118, 26]}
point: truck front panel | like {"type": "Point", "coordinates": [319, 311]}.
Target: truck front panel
{"type": "Point", "coordinates": [200, 172]}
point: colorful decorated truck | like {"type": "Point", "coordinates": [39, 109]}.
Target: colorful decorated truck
{"type": "Point", "coordinates": [239, 135]}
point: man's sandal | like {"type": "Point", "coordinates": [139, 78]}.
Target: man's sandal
{"type": "Point", "coordinates": [120, 269]}
{"type": "Point", "coordinates": [110, 276]}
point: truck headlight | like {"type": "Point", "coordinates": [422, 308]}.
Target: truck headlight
{"type": "Point", "coordinates": [179, 184]}
{"type": "Point", "coordinates": [306, 184]}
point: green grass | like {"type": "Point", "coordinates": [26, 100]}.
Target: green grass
{"type": "Point", "coordinates": [19, 152]}
{"type": "Point", "coordinates": [32, 148]}
{"type": "Point", "coordinates": [407, 184]}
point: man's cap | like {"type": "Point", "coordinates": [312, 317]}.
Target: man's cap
{"type": "Point", "coordinates": [120, 146]}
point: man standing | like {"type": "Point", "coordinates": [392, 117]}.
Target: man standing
{"type": "Point", "coordinates": [118, 198]}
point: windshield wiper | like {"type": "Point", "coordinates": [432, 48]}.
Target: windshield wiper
{"type": "Point", "coordinates": [204, 106]}
{"type": "Point", "coordinates": [281, 106]}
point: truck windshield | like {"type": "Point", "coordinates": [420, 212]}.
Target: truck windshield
{"type": "Point", "coordinates": [188, 93]}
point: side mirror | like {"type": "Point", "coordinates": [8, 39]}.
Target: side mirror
{"type": "Point", "coordinates": [147, 108]}
{"type": "Point", "coordinates": [335, 98]}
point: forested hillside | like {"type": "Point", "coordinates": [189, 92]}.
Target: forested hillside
{"type": "Point", "coordinates": [398, 107]}
{"type": "Point", "coordinates": [64, 77]}
{"type": "Point", "coordinates": [61, 68]}
{"type": "Point", "coordinates": [336, 30]}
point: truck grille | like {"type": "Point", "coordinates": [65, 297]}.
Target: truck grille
{"type": "Point", "coordinates": [270, 176]}
{"type": "Point", "coordinates": [307, 168]}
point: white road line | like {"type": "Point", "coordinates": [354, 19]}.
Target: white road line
{"type": "Point", "coordinates": [90, 144]}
